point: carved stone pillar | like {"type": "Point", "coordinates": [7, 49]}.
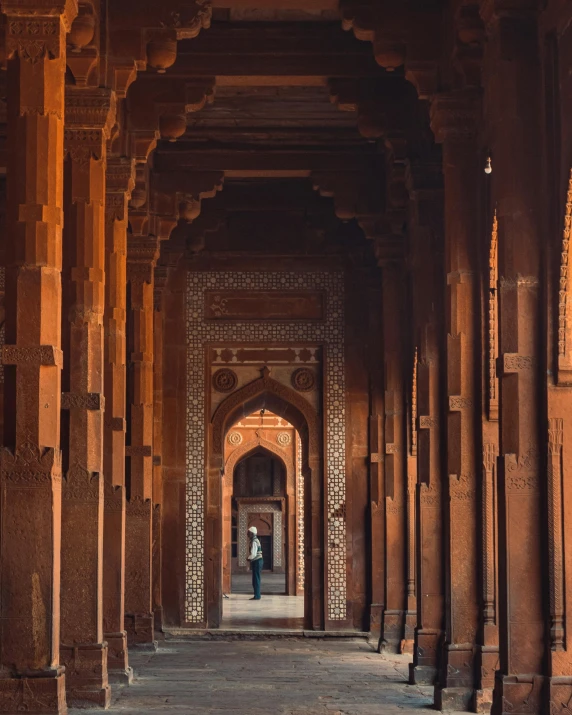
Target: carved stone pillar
{"type": "Point", "coordinates": [376, 463]}
{"type": "Point", "coordinates": [394, 320]}
{"type": "Point", "coordinates": [89, 116]}
{"type": "Point", "coordinates": [513, 101]}
{"type": "Point", "coordinates": [453, 119]}
{"type": "Point", "coordinates": [426, 231]}
{"type": "Point", "coordinates": [30, 470]}
{"type": "Point", "coordinates": [488, 639]}
{"type": "Point", "coordinates": [141, 256]}
{"type": "Point", "coordinates": [160, 280]}
{"type": "Point", "coordinates": [120, 181]}
{"type": "Point", "coordinates": [411, 613]}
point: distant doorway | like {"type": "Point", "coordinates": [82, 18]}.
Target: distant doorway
{"type": "Point", "coordinates": [263, 488]}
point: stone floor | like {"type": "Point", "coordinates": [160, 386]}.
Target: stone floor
{"type": "Point", "coordinates": [270, 613]}
{"type": "Point", "coordinates": [272, 583]}
{"type": "Point", "coordinates": [302, 676]}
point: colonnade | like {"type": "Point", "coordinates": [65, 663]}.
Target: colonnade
{"type": "Point", "coordinates": [470, 521]}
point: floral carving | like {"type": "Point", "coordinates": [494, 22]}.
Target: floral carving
{"type": "Point", "coordinates": [29, 466]}
{"type": "Point", "coordinates": [82, 485]}
{"type": "Point", "coordinates": [515, 363]}
{"type": "Point", "coordinates": [225, 380]}
{"type": "Point", "coordinates": [426, 422]}
{"type": "Point", "coordinates": [140, 450]}
{"type": "Point", "coordinates": [284, 438]}
{"type": "Point", "coordinates": [47, 355]}
{"type": "Point", "coordinates": [459, 403]}
{"type": "Point", "coordinates": [138, 508]}
{"type": "Point", "coordinates": [87, 401]}
{"type": "Point", "coordinates": [34, 40]}
{"type": "Point", "coordinates": [303, 380]}
{"type": "Point", "coordinates": [234, 438]}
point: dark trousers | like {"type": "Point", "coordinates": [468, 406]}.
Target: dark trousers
{"type": "Point", "coordinates": [256, 567]}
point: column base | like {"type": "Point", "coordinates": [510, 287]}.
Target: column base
{"type": "Point", "coordinates": [392, 631]}
{"type": "Point", "coordinates": [158, 623]}
{"type": "Point", "coordinates": [375, 621]}
{"type": "Point", "coordinates": [518, 694]}
{"type": "Point", "coordinates": [140, 631]}
{"type": "Point", "coordinates": [34, 694]}
{"type": "Point", "coordinates": [456, 687]}
{"type": "Point", "coordinates": [559, 694]}
{"type": "Point", "coordinates": [487, 661]}
{"type": "Point", "coordinates": [483, 700]}
{"type": "Point", "coordinates": [422, 674]}
{"type": "Point", "coordinates": [451, 699]}
{"type": "Point", "coordinates": [410, 626]}
{"type": "Point", "coordinates": [426, 651]}
{"type": "Point", "coordinates": [118, 669]}
{"type": "Point", "coordinates": [87, 684]}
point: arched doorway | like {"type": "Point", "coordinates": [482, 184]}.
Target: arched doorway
{"type": "Point", "coordinates": [263, 480]}
{"type": "Point", "coordinates": [266, 393]}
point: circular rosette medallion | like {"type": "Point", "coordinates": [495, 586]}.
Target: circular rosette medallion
{"type": "Point", "coordinates": [283, 439]}
{"type": "Point", "coordinates": [234, 438]}
{"type": "Point", "coordinates": [224, 380]}
{"type": "Point", "coordinates": [303, 379]}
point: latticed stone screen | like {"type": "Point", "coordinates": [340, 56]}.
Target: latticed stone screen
{"type": "Point", "coordinates": [330, 333]}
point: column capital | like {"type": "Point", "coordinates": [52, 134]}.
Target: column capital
{"type": "Point", "coordinates": [455, 116]}
{"type": "Point", "coordinates": [89, 118]}
{"type": "Point", "coordinates": [142, 255]}
{"type": "Point", "coordinates": [67, 9]}
{"type": "Point", "coordinates": [120, 182]}
{"type": "Point", "coordinates": [33, 30]}
{"type": "Point", "coordinates": [90, 107]}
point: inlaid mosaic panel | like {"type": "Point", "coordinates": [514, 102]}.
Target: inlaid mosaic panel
{"type": "Point", "coordinates": [300, 513]}
{"type": "Point", "coordinates": [329, 332]}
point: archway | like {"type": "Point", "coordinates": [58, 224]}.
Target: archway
{"type": "Point", "coordinates": [283, 447]}
{"type": "Point", "coordinates": [267, 393]}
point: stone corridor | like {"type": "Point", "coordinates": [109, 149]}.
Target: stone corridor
{"type": "Point", "coordinates": [285, 676]}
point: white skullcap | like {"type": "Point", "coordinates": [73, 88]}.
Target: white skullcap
{"type": "Point", "coordinates": [253, 530]}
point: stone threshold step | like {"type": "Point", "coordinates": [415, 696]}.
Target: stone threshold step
{"type": "Point", "coordinates": [176, 634]}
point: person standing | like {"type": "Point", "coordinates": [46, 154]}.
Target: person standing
{"type": "Point", "coordinates": [255, 558]}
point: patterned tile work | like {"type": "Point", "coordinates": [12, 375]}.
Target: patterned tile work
{"type": "Point", "coordinates": [300, 513]}
{"type": "Point", "coordinates": [330, 333]}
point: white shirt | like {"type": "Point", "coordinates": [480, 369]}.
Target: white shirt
{"type": "Point", "coordinates": [253, 549]}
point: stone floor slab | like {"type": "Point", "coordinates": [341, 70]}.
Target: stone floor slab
{"type": "Point", "coordinates": [281, 677]}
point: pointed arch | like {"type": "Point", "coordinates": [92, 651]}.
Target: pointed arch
{"type": "Point", "coordinates": [250, 447]}
{"type": "Point", "coordinates": [268, 393]}
{"type": "Point", "coordinates": [273, 395]}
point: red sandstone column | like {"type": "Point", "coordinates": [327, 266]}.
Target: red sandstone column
{"type": "Point", "coordinates": [32, 678]}
{"type": "Point", "coordinates": [488, 639]}
{"type": "Point", "coordinates": [376, 463]}
{"type": "Point", "coordinates": [395, 459]}
{"type": "Point", "coordinates": [411, 613]}
{"type": "Point", "coordinates": [453, 119]}
{"type": "Point", "coordinates": [89, 116]}
{"type": "Point", "coordinates": [120, 180]}
{"type": "Point", "coordinates": [139, 619]}
{"type": "Point", "coordinates": [160, 275]}
{"type": "Point", "coordinates": [513, 101]}
{"type": "Point", "coordinates": [426, 204]}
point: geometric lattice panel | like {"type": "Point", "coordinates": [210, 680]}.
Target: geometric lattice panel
{"type": "Point", "coordinates": [329, 333]}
